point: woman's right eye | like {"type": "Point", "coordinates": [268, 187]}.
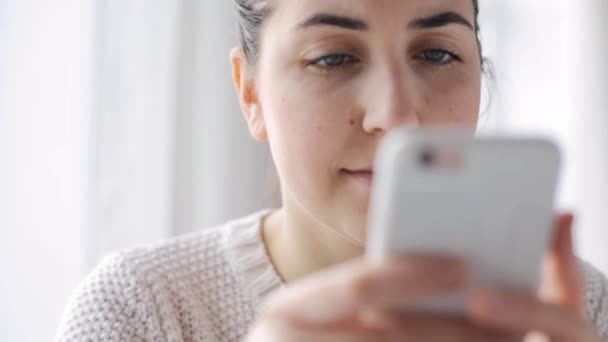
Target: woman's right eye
{"type": "Point", "coordinates": [333, 61]}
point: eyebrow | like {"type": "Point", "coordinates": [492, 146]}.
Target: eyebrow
{"type": "Point", "coordinates": [440, 20]}
{"type": "Point", "coordinates": [433, 21]}
{"type": "Point", "coordinates": [323, 19]}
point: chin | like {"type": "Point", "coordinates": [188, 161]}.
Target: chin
{"type": "Point", "coordinates": [355, 225]}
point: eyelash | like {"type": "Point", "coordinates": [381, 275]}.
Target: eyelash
{"type": "Point", "coordinates": [452, 56]}
{"type": "Point", "coordinates": [345, 59]}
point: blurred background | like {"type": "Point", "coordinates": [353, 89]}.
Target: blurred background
{"type": "Point", "coordinates": [119, 127]}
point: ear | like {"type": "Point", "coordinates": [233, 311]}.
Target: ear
{"type": "Point", "coordinates": [244, 82]}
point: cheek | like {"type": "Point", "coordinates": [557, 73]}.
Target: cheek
{"type": "Point", "coordinates": [307, 118]}
{"type": "Point", "coordinates": [453, 103]}
{"type": "Point", "coordinates": [307, 132]}
{"type": "Point", "coordinates": [461, 108]}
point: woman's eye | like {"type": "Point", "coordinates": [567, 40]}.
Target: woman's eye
{"type": "Point", "coordinates": [333, 61]}
{"type": "Point", "coordinates": [438, 56]}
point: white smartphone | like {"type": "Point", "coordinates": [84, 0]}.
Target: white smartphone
{"type": "Point", "coordinates": [486, 200]}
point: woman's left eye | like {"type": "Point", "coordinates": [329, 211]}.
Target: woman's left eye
{"type": "Point", "coordinates": [438, 56]}
{"type": "Point", "coordinates": [333, 61]}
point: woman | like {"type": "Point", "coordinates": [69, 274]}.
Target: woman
{"type": "Point", "coordinates": [322, 81]}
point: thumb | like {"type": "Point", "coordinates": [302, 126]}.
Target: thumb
{"type": "Point", "coordinates": [562, 280]}
{"type": "Point", "coordinates": [323, 298]}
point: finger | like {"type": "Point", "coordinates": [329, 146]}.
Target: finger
{"type": "Point", "coordinates": [562, 280]}
{"type": "Point", "coordinates": [337, 294]}
{"type": "Point", "coordinates": [521, 314]}
{"type": "Point", "coordinates": [428, 327]}
{"type": "Point", "coordinates": [306, 335]}
{"type": "Point", "coordinates": [421, 277]}
{"type": "Point", "coordinates": [354, 336]}
{"type": "Point", "coordinates": [397, 327]}
{"type": "Point", "coordinates": [280, 331]}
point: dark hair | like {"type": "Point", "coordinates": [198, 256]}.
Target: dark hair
{"type": "Point", "coordinates": [253, 15]}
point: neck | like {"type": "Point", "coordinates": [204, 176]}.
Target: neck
{"type": "Point", "coordinates": [299, 245]}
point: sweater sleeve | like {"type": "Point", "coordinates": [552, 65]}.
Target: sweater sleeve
{"type": "Point", "coordinates": [111, 304]}
{"type": "Point", "coordinates": [597, 299]}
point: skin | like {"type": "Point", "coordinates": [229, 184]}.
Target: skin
{"type": "Point", "coordinates": [323, 97]}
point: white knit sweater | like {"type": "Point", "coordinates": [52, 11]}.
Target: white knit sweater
{"type": "Point", "coordinates": [207, 287]}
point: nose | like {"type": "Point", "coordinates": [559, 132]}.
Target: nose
{"type": "Point", "coordinates": [392, 101]}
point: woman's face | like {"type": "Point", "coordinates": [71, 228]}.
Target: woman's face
{"type": "Point", "coordinates": [334, 76]}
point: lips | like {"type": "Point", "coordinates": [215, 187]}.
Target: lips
{"type": "Point", "coordinates": [365, 175]}
{"type": "Point", "coordinates": [362, 171]}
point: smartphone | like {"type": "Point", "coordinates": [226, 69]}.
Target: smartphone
{"type": "Point", "coordinates": [487, 200]}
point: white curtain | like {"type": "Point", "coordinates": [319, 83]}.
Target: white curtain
{"type": "Point", "coordinates": [172, 150]}
{"type": "Point", "coordinates": [221, 173]}
{"type": "Point", "coordinates": [118, 127]}
{"type": "Point", "coordinates": [552, 78]}
{"type": "Point", "coordinates": [590, 122]}
{"type": "Point", "coordinates": [133, 132]}
{"type": "Point", "coordinates": [45, 82]}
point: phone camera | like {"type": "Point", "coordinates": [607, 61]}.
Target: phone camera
{"type": "Point", "coordinates": [427, 158]}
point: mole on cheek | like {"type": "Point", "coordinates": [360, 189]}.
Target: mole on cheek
{"type": "Point", "coordinates": [353, 116]}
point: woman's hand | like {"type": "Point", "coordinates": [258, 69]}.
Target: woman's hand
{"type": "Point", "coordinates": [343, 304]}
{"type": "Point", "coordinates": [558, 315]}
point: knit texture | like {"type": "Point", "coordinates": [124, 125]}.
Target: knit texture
{"type": "Point", "coordinates": [205, 287]}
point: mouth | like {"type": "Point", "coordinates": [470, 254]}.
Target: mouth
{"type": "Point", "coordinates": [364, 176]}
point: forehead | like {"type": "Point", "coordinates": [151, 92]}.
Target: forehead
{"type": "Point", "coordinates": [379, 12]}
